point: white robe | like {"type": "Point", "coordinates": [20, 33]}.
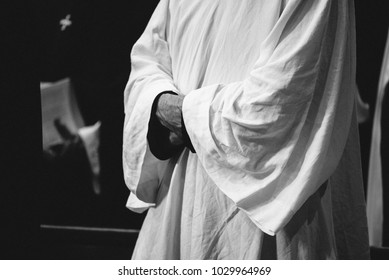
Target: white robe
{"type": "Point", "coordinates": [269, 107]}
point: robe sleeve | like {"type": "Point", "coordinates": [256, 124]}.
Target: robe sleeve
{"type": "Point", "coordinates": [269, 141]}
{"type": "Point", "coordinates": [150, 75]}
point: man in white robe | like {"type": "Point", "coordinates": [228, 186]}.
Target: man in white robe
{"type": "Point", "coordinates": [266, 92]}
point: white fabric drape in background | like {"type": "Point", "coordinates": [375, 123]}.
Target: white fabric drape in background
{"type": "Point", "coordinates": [374, 185]}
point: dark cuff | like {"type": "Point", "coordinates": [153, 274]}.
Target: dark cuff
{"type": "Point", "coordinates": [158, 135]}
{"type": "Point", "coordinates": [185, 136]}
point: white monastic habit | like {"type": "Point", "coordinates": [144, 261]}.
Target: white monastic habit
{"type": "Point", "coordinates": [269, 107]}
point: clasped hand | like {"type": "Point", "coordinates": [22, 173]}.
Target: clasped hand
{"type": "Point", "coordinates": [169, 111]}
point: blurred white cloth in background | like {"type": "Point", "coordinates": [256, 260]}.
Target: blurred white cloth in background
{"type": "Point", "coordinates": [374, 185]}
{"type": "Point", "coordinates": [59, 103]}
{"type": "Point", "coordinates": [363, 109]}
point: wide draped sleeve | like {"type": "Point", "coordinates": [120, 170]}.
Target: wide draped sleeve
{"type": "Point", "coordinates": [271, 140]}
{"type": "Point", "coordinates": [151, 74]}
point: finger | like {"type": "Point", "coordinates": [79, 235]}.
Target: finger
{"type": "Point", "coordinates": [175, 139]}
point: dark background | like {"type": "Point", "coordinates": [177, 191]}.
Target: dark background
{"type": "Point", "coordinates": [94, 51]}
{"type": "Point", "coordinates": [372, 22]}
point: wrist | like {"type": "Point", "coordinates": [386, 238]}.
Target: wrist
{"type": "Point", "coordinates": [168, 112]}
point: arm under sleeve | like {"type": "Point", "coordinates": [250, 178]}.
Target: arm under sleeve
{"type": "Point", "coordinates": [269, 141]}
{"type": "Point", "coordinates": [151, 74]}
{"type": "Point", "coordinates": [145, 146]}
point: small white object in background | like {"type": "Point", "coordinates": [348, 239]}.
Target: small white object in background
{"type": "Point", "coordinates": [65, 22]}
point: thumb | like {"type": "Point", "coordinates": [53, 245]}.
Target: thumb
{"type": "Point", "coordinates": [175, 139]}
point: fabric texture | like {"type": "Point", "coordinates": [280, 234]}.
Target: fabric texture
{"type": "Point", "coordinates": [269, 108]}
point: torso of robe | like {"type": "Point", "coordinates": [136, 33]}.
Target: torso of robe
{"type": "Point", "coordinates": [269, 107]}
